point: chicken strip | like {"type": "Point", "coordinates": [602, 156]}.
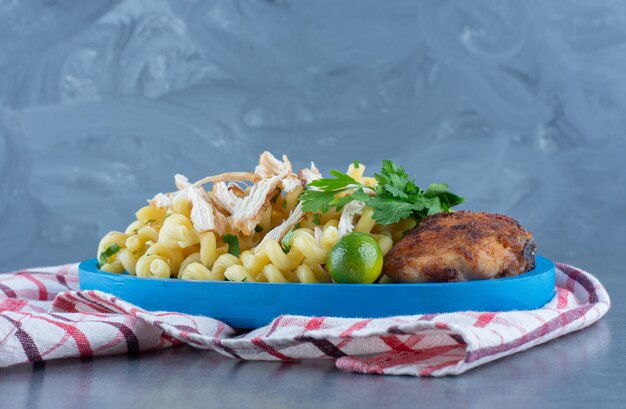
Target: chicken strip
{"type": "Point", "coordinates": [461, 246]}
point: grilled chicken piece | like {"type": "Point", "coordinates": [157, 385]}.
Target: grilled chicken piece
{"type": "Point", "coordinates": [461, 246]}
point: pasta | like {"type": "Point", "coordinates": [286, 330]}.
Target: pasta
{"type": "Point", "coordinates": [150, 214]}
{"type": "Point", "coordinates": [177, 231]}
{"type": "Point", "coordinates": [198, 271]}
{"type": "Point", "coordinates": [128, 260]}
{"type": "Point", "coordinates": [384, 242]}
{"type": "Point", "coordinates": [252, 262]}
{"type": "Point", "coordinates": [303, 273]}
{"type": "Point", "coordinates": [193, 234]}
{"type": "Point", "coordinates": [366, 223]}
{"type": "Point", "coordinates": [139, 235]}
{"type": "Point", "coordinates": [159, 261]}
{"type": "Point", "coordinates": [284, 261]}
{"type": "Point", "coordinates": [153, 265]}
{"type": "Point", "coordinates": [208, 248]}
{"type": "Point", "coordinates": [111, 264]}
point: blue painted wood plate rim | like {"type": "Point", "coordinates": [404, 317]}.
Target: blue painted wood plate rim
{"type": "Point", "coordinates": [251, 305]}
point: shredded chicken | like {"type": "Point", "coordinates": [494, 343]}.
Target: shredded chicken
{"type": "Point", "coordinates": [269, 166]}
{"type": "Point", "coordinates": [236, 189]}
{"type": "Point", "coordinates": [291, 183]}
{"type": "Point", "coordinates": [346, 221]}
{"type": "Point", "coordinates": [164, 200]}
{"type": "Point", "coordinates": [161, 200]}
{"type": "Point", "coordinates": [307, 175]}
{"type": "Point", "coordinates": [225, 196]}
{"type": "Point", "coordinates": [181, 181]}
{"type": "Point", "coordinates": [203, 215]}
{"type": "Point", "coordinates": [317, 232]}
{"type": "Point", "coordinates": [249, 211]}
{"type": "Point", "coordinates": [227, 207]}
{"type": "Point", "coordinates": [278, 232]}
{"type": "Point", "coordinates": [228, 177]}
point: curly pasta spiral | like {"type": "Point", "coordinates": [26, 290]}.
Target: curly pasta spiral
{"type": "Point", "coordinates": [139, 235]}
{"type": "Point", "coordinates": [385, 242]}
{"type": "Point", "coordinates": [153, 265]}
{"type": "Point", "coordinates": [177, 231]}
{"type": "Point", "coordinates": [307, 245]}
{"type": "Point", "coordinates": [150, 214]}
{"type": "Point", "coordinates": [113, 264]}
{"type": "Point", "coordinates": [252, 262]}
{"type": "Point", "coordinates": [159, 261]}
{"type": "Point", "coordinates": [304, 273]}
{"type": "Point", "coordinates": [198, 271]}
{"type": "Point", "coordinates": [181, 205]}
{"type": "Point", "coordinates": [128, 260]}
{"type": "Point", "coordinates": [285, 262]}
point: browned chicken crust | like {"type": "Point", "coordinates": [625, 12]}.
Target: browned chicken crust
{"type": "Point", "coordinates": [461, 246]}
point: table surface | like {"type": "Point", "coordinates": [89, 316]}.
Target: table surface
{"type": "Point", "coordinates": [584, 369]}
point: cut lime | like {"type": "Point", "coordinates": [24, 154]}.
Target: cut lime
{"type": "Point", "coordinates": [355, 259]}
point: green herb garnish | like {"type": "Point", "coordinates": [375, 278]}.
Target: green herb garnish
{"type": "Point", "coordinates": [356, 164]}
{"type": "Point", "coordinates": [316, 219]}
{"type": "Point", "coordinates": [258, 228]}
{"type": "Point", "coordinates": [396, 195]}
{"type": "Point", "coordinates": [275, 197]}
{"type": "Point", "coordinates": [233, 244]}
{"type": "Point", "coordinates": [150, 221]}
{"type": "Point", "coordinates": [284, 205]}
{"type": "Point", "coordinates": [110, 251]}
{"type": "Point", "coordinates": [285, 243]}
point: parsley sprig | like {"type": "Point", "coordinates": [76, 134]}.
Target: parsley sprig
{"type": "Point", "coordinates": [396, 195]}
{"type": "Point", "coordinates": [233, 244]}
{"type": "Point", "coordinates": [108, 252]}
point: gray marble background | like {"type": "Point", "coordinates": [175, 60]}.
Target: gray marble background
{"type": "Point", "coordinates": [520, 106]}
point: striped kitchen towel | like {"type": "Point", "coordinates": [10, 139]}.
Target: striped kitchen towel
{"type": "Point", "coordinates": [44, 316]}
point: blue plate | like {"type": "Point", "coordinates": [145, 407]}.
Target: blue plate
{"type": "Point", "coordinates": [251, 305]}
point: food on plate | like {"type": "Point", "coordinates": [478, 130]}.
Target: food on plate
{"type": "Point", "coordinates": [272, 224]}
{"type": "Point", "coordinates": [355, 259]}
{"type": "Point", "coordinates": [461, 246]}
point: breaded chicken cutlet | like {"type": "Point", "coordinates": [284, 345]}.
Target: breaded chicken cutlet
{"type": "Point", "coordinates": [461, 246]}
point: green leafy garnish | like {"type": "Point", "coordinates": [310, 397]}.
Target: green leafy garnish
{"type": "Point", "coordinates": [356, 164]}
{"type": "Point", "coordinates": [150, 221]}
{"type": "Point", "coordinates": [233, 244]}
{"type": "Point", "coordinates": [323, 198]}
{"type": "Point", "coordinates": [285, 243]}
{"type": "Point", "coordinates": [258, 228]}
{"type": "Point", "coordinates": [275, 197]}
{"type": "Point", "coordinates": [316, 219]}
{"type": "Point", "coordinates": [396, 196]}
{"type": "Point", "coordinates": [111, 250]}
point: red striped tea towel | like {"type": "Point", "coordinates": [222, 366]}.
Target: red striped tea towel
{"type": "Point", "coordinates": [43, 316]}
